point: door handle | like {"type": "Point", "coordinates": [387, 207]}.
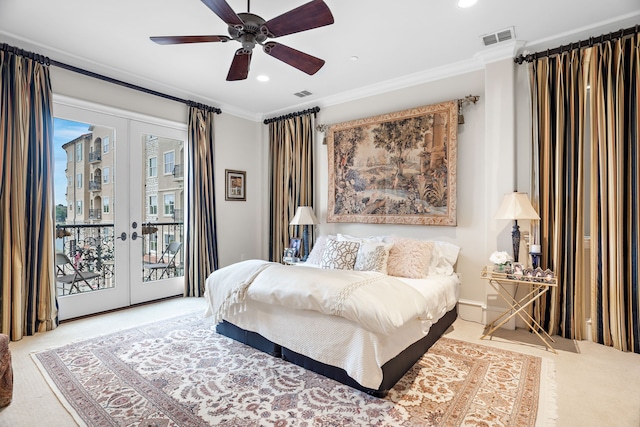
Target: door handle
{"type": "Point", "coordinates": [134, 235]}
{"type": "Point", "coordinates": [123, 236]}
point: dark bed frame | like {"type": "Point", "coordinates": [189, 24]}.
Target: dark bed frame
{"type": "Point", "coordinates": [392, 371]}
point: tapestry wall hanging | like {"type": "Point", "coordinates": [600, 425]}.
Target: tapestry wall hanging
{"type": "Point", "coordinates": [396, 168]}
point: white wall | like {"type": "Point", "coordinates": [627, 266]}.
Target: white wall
{"type": "Point", "coordinates": [238, 146]}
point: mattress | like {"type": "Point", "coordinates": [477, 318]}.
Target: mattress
{"type": "Point", "coordinates": [339, 342]}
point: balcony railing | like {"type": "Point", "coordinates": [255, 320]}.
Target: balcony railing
{"type": "Point", "coordinates": [95, 156]}
{"type": "Point", "coordinates": [91, 248]}
{"type": "Point", "coordinates": [156, 237]}
{"type": "Point", "coordinates": [178, 172]}
{"type": "Point", "coordinates": [95, 213]}
{"type": "Point", "coordinates": [95, 185]}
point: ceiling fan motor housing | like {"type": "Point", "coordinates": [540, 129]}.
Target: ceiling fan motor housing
{"type": "Point", "coordinates": [250, 34]}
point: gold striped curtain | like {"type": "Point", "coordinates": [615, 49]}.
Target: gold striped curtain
{"type": "Point", "coordinates": [291, 177]}
{"type": "Point", "coordinates": [201, 242]}
{"type": "Point", "coordinates": [615, 189]}
{"type": "Point", "coordinates": [559, 88]}
{"type": "Point", "coordinates": [558, 103]}
{"type": "Point", "coordinates": [27, 275]}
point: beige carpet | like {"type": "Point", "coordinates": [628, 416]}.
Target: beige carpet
{"type": "Point", "coordinates": [180, 373]}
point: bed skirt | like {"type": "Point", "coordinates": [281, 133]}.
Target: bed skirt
{"type": "Point", "coordinates": [392, 370]}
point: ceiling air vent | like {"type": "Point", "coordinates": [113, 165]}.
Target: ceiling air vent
{"type": "Point", "coordinates": [499, 36]}
{"type": "Point", "coordinates": [303, 93]}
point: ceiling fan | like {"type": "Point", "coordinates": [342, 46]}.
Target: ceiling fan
{"type": "Point", "coordinates": [250, 29]}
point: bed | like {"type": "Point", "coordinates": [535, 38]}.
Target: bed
{"type": "Point", "coordinates": [290, 311]}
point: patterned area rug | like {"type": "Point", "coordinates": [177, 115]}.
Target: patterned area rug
{"type": "Point", "coordinates": [179, 372]}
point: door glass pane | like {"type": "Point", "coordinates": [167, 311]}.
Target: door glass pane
{"type": "Point", "coordinates": [84, 195]}
{"type": "Point", "coordinates": [162, 198]}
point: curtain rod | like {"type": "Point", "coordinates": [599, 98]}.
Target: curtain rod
{"type": "Point", "coordinates": [47, 61]}
{"type": "Point", "coordinates": [577, 45]}
{"type": "Point", "coordinates": [313, 110]}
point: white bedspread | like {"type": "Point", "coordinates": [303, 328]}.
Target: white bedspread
{"type": "Point", "coordinates": [337, 341]}
{"type": "Point", "coordinates": [377, 302]}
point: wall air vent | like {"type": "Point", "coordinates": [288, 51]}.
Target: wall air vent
{"type": "Point", "coordinates": [303, 93]}
{"type": "Point", "coordinates": [499, 36]}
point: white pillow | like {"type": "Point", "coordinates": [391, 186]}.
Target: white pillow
{"type": "Point", "coordinates": [446, 259]}
{"type": "Point", "coordinates": [410, 258]}
{"type": "Point", "coordinates": [315, 256]}
{"type": "Point", "coordinates": [346, 237]}
{"type": "Point", "coordinates": [373, 256]}
{"type": "Point", "coordinates": [339, 255]}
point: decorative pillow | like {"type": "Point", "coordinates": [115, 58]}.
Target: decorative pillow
{"type": "Point", "coordinates": [339, 255]}
{"type": "Point", "coordinates": [410, 258]}
{"type": "Point", "coordinates": [447, 256]}
{"type": "Point", "coordinates": [373, 257]}
{"type": "Point", "coordinates": [315, 256]}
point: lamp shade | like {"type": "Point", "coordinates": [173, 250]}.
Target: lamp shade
{"type": "Point", "coordinates": [304, 216]}
{"type": "Point", "coordinates": [516, 206]}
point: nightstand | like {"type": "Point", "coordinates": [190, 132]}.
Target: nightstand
{"type": "Point", "coordinates": [291, 260]}
{"type": "Point", "coordinates": [537, 287]}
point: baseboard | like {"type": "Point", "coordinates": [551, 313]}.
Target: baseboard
{"type": "Point", "coordinates": [479, 312]}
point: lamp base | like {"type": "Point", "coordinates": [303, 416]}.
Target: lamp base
{"type": "Point", "coordinates": [305, 242]}
{"type": "Point", "coordinates": [515, 238]}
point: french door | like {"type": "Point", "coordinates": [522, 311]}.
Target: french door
{"type": "Point", "coordinates": [119, 208]}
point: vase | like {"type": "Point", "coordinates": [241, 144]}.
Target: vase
{"type": "Point", "coordinates": [499, 268]}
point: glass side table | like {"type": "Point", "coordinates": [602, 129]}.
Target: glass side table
{"type": "Point", "coordinates": [537, 287]}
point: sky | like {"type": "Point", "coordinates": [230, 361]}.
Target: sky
{"type": "Point", "coordinates": [63, 132]}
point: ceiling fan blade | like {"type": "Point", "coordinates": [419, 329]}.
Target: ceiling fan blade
{"type": "Point", "coordinates": [188, 39]}
{"type": "Point", "coordinates": [240, 65]}
{"type": "Point", "coordinates": [314, 14]}
{"type": "Point", "coordinates": [300, 60]}
{"type": "Point", "coordinates": [224, 11]}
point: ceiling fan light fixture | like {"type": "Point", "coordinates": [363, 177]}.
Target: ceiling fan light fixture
{"type": "Point", "coordinates": [463, 4]}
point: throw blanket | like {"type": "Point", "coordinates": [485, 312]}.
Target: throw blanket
{"type": "Point", "coordinates": [377, 302]}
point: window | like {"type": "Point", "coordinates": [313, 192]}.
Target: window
{"type": "Point", "coordinates": [105, 144]}
{"type": "Point", "coordinates": [153, 242]}
{"type": "Point", "coordinates": [105, 175]}
{"type": "Point", "coordinates": [153, 205]}
{"type": "Point", "coordinates": [169, 204]}
{"type": "Point", "coordinates": [169, 162]}
{"type": "Point", "coordinates": [105, 205]}
{"type": "Point", "coordinates": [70, 184]}
{"type": "Point", "coordinates": [153, 166]}
{"type": "Point", "coordinates": [78, 152]}
{"type": "Point", "coordinates": [79, 207]}
{"type": "Point", "coordinates": [79, 180]}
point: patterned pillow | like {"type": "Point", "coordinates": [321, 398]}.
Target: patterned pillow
{"type": "Point", "coordinates": [373, 257]}
{"type": "Point", "coordinates": [315, 256]}
{"type": "Point", "coordinates": [410, 258]}
{"type": "Point", "coordinates": [339, 255]}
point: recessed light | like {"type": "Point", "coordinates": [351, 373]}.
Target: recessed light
{"type": "Point", "coordinates": [466, 3]}
{"type": "Point", "coordinates": [354, 58]}
{"type": "Point", "coordinates": [262, 78]}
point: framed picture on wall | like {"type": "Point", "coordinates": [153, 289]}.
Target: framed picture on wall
{"type": "Point", "coordinates": [235, 185]}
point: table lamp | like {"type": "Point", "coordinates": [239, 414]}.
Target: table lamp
{"type": "Point", "coordinates": [516, 206]}
{"type": "Point", "coordinates": [304, 216]}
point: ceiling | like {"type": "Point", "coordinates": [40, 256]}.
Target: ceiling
{"type": "Point", "coordinates": [397, 43]}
